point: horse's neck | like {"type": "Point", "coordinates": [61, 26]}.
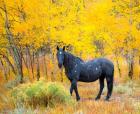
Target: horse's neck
{"type": "Point", "coordinates": [69, 61]}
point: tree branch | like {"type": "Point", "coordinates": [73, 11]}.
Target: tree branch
{"type": "Point", "coordinates": [8, 61]}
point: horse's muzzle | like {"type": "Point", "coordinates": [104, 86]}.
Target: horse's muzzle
{"type": "Point", "coordinates": [60, 65]}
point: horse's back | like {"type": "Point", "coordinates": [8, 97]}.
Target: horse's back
{"type": "Point", "coordinates": [94, 69]}
{"type": "Point", "coordinates": [103, 62]}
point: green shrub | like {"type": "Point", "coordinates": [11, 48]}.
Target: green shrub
{"type": "Point", "coordinates": [40, 93]}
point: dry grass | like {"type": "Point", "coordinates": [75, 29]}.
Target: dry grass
{"type": "Point", "coordinates": [120, 103]}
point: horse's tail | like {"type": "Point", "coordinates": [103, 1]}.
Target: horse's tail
{"type": "Point", "coordinates": [113, 73]}
{"type": "Point", "coordinates": [110, 83]}
{"type": "Point", "coordinates": [112, 80]}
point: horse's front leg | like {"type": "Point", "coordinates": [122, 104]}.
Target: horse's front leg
{"type": "Point", "coordinates": [71, 89]}
{"type": "Point", "coordinates": [74, 87]}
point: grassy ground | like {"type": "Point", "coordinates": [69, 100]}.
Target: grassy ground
{"type": "Point", "coordinates": [125, 100]}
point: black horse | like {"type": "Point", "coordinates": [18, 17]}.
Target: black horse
{"type": "Point", "coordinates": [78, 70]}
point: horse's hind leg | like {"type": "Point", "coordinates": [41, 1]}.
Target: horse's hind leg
{"type": "Point", "coordinates": [109, 86]}
{"type": "Point", "coordinates": [101, 81]}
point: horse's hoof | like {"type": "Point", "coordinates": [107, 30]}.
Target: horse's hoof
{"type": "Point", "coordinates": [78, 99]}
{"type": "Point", "coordinates": [107, 99]}
{"type": "Point", "coordinates": [97, 98]}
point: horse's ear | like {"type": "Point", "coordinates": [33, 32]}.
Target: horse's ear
{"type": "Point", "coordinates": [57, 48]}
{"type": "Point", "coordinates": [64, 48]}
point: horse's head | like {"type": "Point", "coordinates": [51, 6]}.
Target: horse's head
{"type": "Point", "coordinates": [60, 56]}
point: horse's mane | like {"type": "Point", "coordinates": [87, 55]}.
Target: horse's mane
{"type": "Point", "coordinates": [72, 57]}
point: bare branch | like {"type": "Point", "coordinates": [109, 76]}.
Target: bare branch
{"type": "Point", "coordinates": [2, 9]}
{"type": "Point", "coordinates": [9, 62]}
